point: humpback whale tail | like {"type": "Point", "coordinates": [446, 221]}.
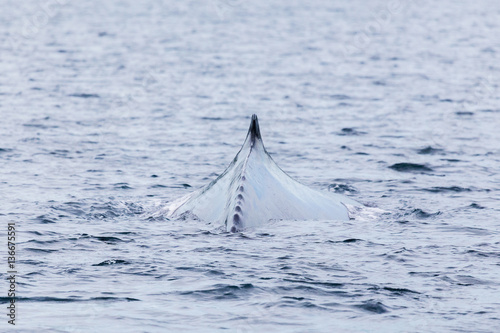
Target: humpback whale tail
{"type": "Point", "coordinates": [253, 190]}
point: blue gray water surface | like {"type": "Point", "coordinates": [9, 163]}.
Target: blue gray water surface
{"type": "Point", "coordinates": [111, 109]}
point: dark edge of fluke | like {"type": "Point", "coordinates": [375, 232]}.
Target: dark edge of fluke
{"type": "Point", "coordinates": [254, 129]}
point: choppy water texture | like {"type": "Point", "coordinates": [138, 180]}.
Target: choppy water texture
{"type": "Point", "coordinates": [111, 109]}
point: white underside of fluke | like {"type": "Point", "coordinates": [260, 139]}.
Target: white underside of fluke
{"type": "Point", "coordinates": [254, 190]}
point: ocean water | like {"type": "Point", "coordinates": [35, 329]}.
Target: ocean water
{"type": "Point", "coordinates": [110, 110]}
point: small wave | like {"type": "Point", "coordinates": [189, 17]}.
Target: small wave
{"type": "Point", "coordinates": [476, 206]}
{"type": "Point", "coordinates": [40, 126]}
{"type": "Point", "coordinates": [223, 291]}
{"type": "Point", "coordinates": [411, 167]}
{"type": "Point", "coordinates": [60, 152]}
{"type": "Point", "coordinates": [109, 298]}
{"type": "Point", "coordinates": [40, 250]}
{"type": "Point", "coordinates": [123, 186]}
{"type": "Point", "coordinates": [303, 304]}
{"type": "Point", "coordinates": [112, 262]}
{"type": "Point", "coordinates": [71, 207]}
{"type": "Point", "coordinates": [484, 254]}
{"type": "Point", "coordinates": [158, 186]}
{"type": "Point", "coordinates": [84, 95]}
{"type": "Point", "coordinates": [190, 268]}
{"type": "Point", "coordinates": [440, 189]}
{"type": "Point", "coordinates": [467, 230]}
{"type": "Point", "coordinates": [319, 283]}
{"type": "Point", "coordinates": [212, 118]}
{"type": "Point", "coordinates": [99, 210]}
{"type": "Point", "coordinates": [339, 97]}
{"type": "Point", "coordinates": [31, 262]}
{"type": "Point", "coordinates": [341, 188]}
{"type": "Point", "coordinates": [430, 151]}
{"type": "Point", "coordinates": [468, 280]}
{"type": "Point", "coordinates": [349, 240]}
{"type": "Point", "coordinates": [294, 298]}
{"type": "Point", "coordinates": [34, 232]}
{"type": "Point", "coordinates": [421, 214]}
{"type": "Point", "coordinates": [372, 306]}
{"type": "Point", "coordinates": [170, 186]}
{"type": "Point", "coordinates": [36, 241]}
{"type": "Point", "coordinates": [464, 280]}
{"type": "Point", "coordinates": [44, 219]}
{"type": "Point", "coordinates": [347, 131]}
{"type": "Point", "coordinates": [400, 291]}
{"type": "Point", "coordinates": [105, 239]}
{"type": "Point", "coordinates": [108, 239]}
{"type": "Point", "coordinates": [42, 299]}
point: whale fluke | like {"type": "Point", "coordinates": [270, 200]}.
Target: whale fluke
{"type": "Point", "coordinates": [254, 190]}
